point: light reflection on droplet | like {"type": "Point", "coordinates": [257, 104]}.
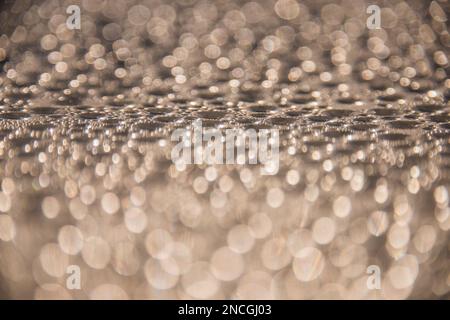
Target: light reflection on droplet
{"type": "Point", "coordinates": [308, 264]}
{"type": "Point", "coordinates": [96, 252]}
{"type": "Point", "coordinates": [226, 265]}
{"type": "Point", "coordinates": [70, 239]}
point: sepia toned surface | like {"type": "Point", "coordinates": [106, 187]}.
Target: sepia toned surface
{"type": "Point", "coordinates": [87, 178]}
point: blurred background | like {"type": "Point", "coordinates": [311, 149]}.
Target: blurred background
{"type": "Point", "coordinates": [87, 182]}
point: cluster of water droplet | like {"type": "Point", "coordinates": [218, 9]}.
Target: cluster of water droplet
{"type": "Point", "coordinates": [87, 178]}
